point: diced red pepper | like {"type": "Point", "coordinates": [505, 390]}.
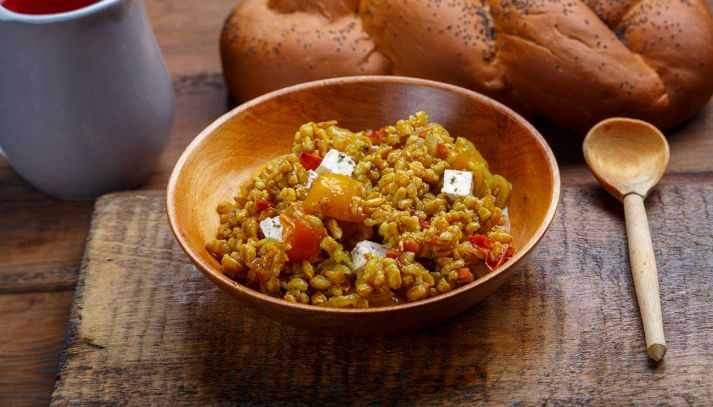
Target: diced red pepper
{"type": "Point", "coordinates": [392, 254]}
{"type": "Point", "coordinates": [423, 223]}
{"type": "Point", "coordinates": [264, 204]}
{"type": "Point", "coordinates": [310, 161]}
{"type": "Point", "coordinates": [481, 241]}
{"type": "Point", "coordinates": [441, 150]}
{"type": "Point", "coordinates": [507, 252]}
{"type": "Point", "coordinates": [410, 245]}
{"type": "Point", "coordinates": [464, 274]}
{"type": "Point", "coordinates": [375, 135]}
{"type": "Point", "coordinates": [485, 245]}
{"type": "Point", "coordinates": [303, 236]}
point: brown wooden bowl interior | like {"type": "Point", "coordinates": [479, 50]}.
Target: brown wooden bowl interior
{"type": "Point", "coordinates": [230, 149]}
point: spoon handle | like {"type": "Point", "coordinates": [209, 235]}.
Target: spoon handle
{"type": "Point", "coordinates": [643, 269]}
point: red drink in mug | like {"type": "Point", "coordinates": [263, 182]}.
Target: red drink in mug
{"type": "Point", "coordinates": [44, 6]}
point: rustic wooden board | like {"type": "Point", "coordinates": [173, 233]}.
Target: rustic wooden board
{"type": "Point", "coordinates": [146, 327]}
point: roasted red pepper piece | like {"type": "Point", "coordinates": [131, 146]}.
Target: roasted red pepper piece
{"type": "Point", "coordinates": [481, 241]}
{"type": "Point", "coordinates": [507, 252]}
{"type": "Point", "coordinates": [392, 254]}
{"type": "Point", "coordinates": [441, 150]}
{"type": "Point", "coordinates": [410, 245]}
{"type": "Point", "coordinates": [485, 245]}
{"type": "Point", "coordinates": [310, 161]}
{"type": "Point", "coordinates": [375, 135]}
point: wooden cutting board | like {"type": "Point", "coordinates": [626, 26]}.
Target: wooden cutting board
{"type": "Point", "coordinates": [147, 328]}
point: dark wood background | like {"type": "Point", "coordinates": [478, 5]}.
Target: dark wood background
{"type": "Point", "coordinates": [42, 239]}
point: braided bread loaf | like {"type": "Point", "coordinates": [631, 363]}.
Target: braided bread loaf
{"type": "Point", "coordinates": [572, 61]}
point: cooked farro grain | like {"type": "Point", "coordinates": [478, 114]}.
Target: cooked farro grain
{"type": "Point", "coordinates": [394, 215]}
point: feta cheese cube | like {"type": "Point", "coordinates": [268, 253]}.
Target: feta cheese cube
{"type": "Point", "coordinates": [272, 228]}
{"type": "Point", "coordinates": [336, 162]}
{"type": "Point", "coordinates": [457, 183]}
{"type": "Point", "coordinates": [362, 249]}
{"type": "Point", "coordinates": [311, 176]}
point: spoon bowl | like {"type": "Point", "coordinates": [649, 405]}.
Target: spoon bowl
{"type": "Point", "coordinates": [626, 156]}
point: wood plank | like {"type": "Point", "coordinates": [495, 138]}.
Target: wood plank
{"type": "Point", "coordinates": [41, 243]}
{"type": "Point", "coordinates": [147, 327]}
{"type": "Point", "coordinates": [32, 329]}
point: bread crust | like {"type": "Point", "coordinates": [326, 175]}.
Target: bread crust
{"type": "Point", "coordinates": [574, 62]}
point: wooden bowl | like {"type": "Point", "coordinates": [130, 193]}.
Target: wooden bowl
{"type": "Point", "coordinates": [229, 150]}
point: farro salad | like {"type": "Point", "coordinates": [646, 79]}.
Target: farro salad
{"type": "Point", "coordinates": [368, 218]}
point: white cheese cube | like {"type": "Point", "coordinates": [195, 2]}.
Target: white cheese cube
{"type": "Point", "coordinates": [336, 162]}
{"type": "Point", "coordinates": [311, 176]}
{"type": "Point", "coordinates": [457, 183]}
{"type": "Point", "coordinates": [272, 228]}
{"type": "Point", "coordinates": [362, 249]}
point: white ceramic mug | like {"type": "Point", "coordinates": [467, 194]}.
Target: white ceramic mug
{"type": "Point", "coordinates": [86, 102]}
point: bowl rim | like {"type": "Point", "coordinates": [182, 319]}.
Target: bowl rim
{"type": "Point", "coordinates": [218, 278]}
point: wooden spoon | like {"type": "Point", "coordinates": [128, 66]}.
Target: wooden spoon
{"type": "Point", "coordinates": [628, 157]}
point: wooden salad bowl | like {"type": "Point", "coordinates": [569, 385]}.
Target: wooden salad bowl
{"type": "Point", "coordinates": [227, 152]}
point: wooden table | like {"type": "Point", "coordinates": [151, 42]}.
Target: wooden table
{"type": "Point", "coordinates": [41, 239]}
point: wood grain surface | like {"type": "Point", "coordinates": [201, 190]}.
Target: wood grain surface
{"type": "Point", "coordinates": [41, 239]}
{"type": "Point", "coordinates": [30, 343]}
{"type": "Point", "coordinates": [147, 327]}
